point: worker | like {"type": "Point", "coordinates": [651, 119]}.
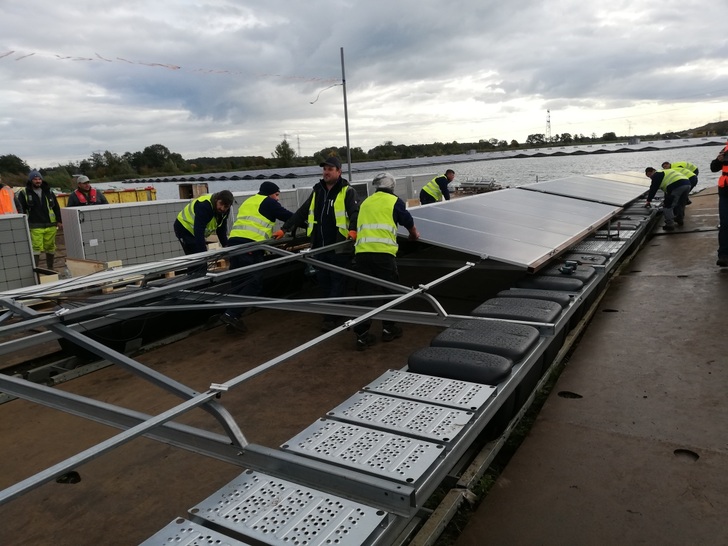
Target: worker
{"type": "Point", "coordinates": [329, 214]}
{"type": "Point", "coordinates": [689, 169]}
{"type": "Point", "coordinates": [676, 187]}
{"type": "Point", "coordinates": [436, 189]}
{"type": "Point", "coordinates": [256, 218]}
{"type": "Point", "coordinates": [720, 164]}
{"type": "Point", "coordinates": [376, 249]}
{"type": "Point", "coordinates": [44, 216]}
{"type": "Point", "coordinates": [84, 194]}
{"type": "Point", "coordinates": [9, 203]}
{"type": "Point", "coordinates": [679, 165]}
{"type": "Point", "coordinates": [201, 218]}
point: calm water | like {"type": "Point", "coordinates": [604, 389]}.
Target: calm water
{"type": "Point", "coordinates": [511, 171]}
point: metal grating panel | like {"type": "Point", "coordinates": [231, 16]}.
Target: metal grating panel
{"type": "Point", "coordinates": [599, 190]}
{"type": "Point", "coordinates": [182, 532]}
{"type": "Point", "coordinates": [622, 233]}
{"type": "Point", "coordinates": [609, 247]}
{"type": "Point", "coordinates": [428, 421]}
{"type": "Point", "coordinates": [436, 390]}
{"type": "Point", "coordinates": [518, 227]}
{"type": "Point", "coordinates": [390, 456]}
{"type": "Point", "coordinates": [279, 512]}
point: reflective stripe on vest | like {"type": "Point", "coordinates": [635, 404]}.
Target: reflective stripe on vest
{"type": "Point", "coordinates": [684, 165]}
{"type": "Point", "coordinates": [49, 201]}
{"type": "Point", "coordinates": [186, 216]}
{"type": "Point", "coordinates": [376, 228]}
{"type": "Point", "coordinates": [687, 173]}
{"type": "Point", "coordinates": [82, 198]}
{"type": "Point", "coordinates": [250, 223]}
{"type": "Point", "coordinates": [433, 188]}
{"type": "Point", "coordinates": [670, 177]}
{"type": "Point", "coordinates": [341, 218]}
{"type": "Point", "coordinates": [7, 200]}
{"type": "Point", "coordinates": [723, 180]}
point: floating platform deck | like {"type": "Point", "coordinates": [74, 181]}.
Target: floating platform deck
{"type": "Point", "coordinates": [319, 446]}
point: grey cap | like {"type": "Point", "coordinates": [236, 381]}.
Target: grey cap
{"type": "Point", "coordinates": [385, 181]}
{"type": "Point", "coordinates": [81, 179]}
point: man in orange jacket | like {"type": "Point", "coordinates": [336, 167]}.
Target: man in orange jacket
{"type": "Point", "coordinates": [9, 203]}
{"type": "Point", "coordinates": [720, 164]}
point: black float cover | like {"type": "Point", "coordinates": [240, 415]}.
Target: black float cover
{"type": "Point", "coordinates": [512, 341]}
{"type": "Point", "coordinates": [519, 309]}
{"type": "Point", "coordinates": [562, 298]}
{"type": "Point", "coordinates": [545, 282]}
{"type": "Point", "coordinates": [460, 364]}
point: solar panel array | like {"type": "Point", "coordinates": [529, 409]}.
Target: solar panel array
{"type": "Point", "coordinates": [525, 226]}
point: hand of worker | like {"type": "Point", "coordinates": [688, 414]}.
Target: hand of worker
{"type": "Point", "coordinates": [414, 234]}
{"type": "Point", "coordinates": [352, 235]}
{"type": "Point", "coordinates": [279, 234]}
{"type": "Point", "coordinates": [648, 205]}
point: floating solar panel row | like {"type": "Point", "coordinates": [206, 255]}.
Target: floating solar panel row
{"type": "Point", "coordinates": [528, 225]}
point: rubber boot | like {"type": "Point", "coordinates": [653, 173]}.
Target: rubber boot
{"type": "Point", "coordinates": [50, 258]}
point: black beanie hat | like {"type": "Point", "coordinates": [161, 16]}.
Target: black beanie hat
{"type": "Point", "coordinates": [268, 188]}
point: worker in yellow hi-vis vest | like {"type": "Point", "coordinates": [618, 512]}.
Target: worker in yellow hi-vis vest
{"type": "Point", "coordinates": [436, 189]}
{"type": "Point", "coordinates": [376, 249]}
{"type": "Point", "coordinates": [44, 216]}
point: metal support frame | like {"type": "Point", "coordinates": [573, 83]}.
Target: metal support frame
{"type": "Point", "coordinates": [153, 376]}
{"type": "Point", "coordinates": [65, 322]}
{"type": "Point", "coordinates": [61, 468]}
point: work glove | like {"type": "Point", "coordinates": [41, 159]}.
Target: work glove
{"type": "Point", "coordinates": [352, 235]}
{"type": "Point", "coordinates": [647, 205]}
{"type": "Point", "coordinates": [279, 234]}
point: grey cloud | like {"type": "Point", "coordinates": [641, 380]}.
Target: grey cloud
{"type": "Point", "coordinates": [247, 73]}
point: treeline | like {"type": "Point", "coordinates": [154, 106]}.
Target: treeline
{"type": "Point", "coordinates": [158, 160]}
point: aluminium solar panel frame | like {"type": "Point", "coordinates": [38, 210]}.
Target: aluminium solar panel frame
{"type": "Point", "coordinates": [514, 227]}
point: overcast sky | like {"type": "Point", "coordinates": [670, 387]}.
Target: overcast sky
{"type": "Point", "coordinates": [221, 78]}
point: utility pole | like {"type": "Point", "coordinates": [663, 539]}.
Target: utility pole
{"type": "Point", "coordinates": [298, 140]}
{"type": "Point", "coordinates": [346, 114]}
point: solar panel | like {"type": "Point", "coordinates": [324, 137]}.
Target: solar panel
{"type": "Point", "coordinates": [522, 228]}
{"type": "Point", "coordinates": [629, 177]}
{"type": "Point", "coordinates": [600, 190]}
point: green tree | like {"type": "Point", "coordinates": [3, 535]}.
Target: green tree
{"type": "Point", "coordinates": [357, 154]}
{"type": "Point", "coordinates": [12, 164]}
{"type": "Point", "coordinates": [535, 139]}
{"type": "Point", "coordinates": [609, 137]}
{"type": "Point", "coordinates": [155, 157]}
{"type": "Point", "coordinates": [59, 178]}
{"type": "Point", "coordinates": [285, 154]}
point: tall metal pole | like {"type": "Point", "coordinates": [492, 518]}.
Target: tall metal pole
{"type": "Point", "coordinates": [346, 114]}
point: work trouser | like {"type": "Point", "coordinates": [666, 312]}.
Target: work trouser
{"type": "Point", "coordinates": [250, 284]}
{"type": "Point", "coordinates": [381, 266]}
{"type": "Point", "coordinates": [676, 198]}
{"type": "Point", "coordinates": [332, 284]}
{"type": "Point", "coordinates": [723, 219]}
{"type": "Point", "coordinates": [43, 239]}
